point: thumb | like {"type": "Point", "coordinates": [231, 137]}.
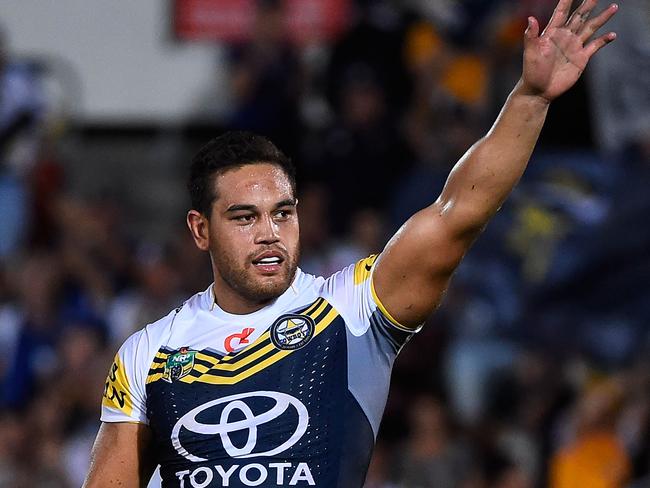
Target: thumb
{"type": "Point", "coordinates": [532, 31]}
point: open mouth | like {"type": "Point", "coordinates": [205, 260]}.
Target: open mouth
{"type": "Point", "coordinates": [268, 262]}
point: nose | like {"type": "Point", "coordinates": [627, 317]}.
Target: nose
{"type": "Point", "coordinates": [267, 231]}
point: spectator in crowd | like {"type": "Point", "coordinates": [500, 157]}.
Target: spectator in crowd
{"type": "Point", "coordinates": [266, 80]}
{"type": "Point", "coordinates": [33, 353]}
{"type": "Point", "coordinates": [431, 455]}
{"type": "Point", "coordinates": [362, 154]}
{"type": "Point", "coordinates": [593, 456]}
{"type": "Point", "coordinates": [21, 114]}
{"type": "Point", "coordinates": [620, 80]}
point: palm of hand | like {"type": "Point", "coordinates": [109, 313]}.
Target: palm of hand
{"type": "Point", "coordinates": [554, 61]}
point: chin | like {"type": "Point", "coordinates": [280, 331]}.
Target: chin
{"type": "Point", "coordinates": [258, 288]}
{"type": "Point", "coordinates": [272, 288]}
{"type": "Point", "coordinates": [263, 289]}
{"type": "Point", "coordinates": [264, 294]}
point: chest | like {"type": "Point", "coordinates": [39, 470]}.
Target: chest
{"type": "Point", "coordinates": [275, 396]}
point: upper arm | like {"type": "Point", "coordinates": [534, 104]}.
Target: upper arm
{"type": "Point", "coordinates": [414, 269]}
{"type": "Point", "coordinates": [352, 294]}
{"type": "Point", "coordinates": [121, 456]}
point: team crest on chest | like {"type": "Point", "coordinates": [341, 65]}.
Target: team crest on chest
{"type": "Point", "coordinates": [179, 364]}
{"type": "Point", "coordinates": [291, 332]}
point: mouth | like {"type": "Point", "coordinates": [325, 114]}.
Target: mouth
{"type": "Point", "coordinates": [269, 262]}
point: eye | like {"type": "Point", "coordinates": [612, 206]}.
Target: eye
{"type": "Point", "coordinates": [283, 214]}
{"type": "Point", "coordinates": [246, 218]}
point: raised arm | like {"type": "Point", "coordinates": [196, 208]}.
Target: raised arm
{"type": "Point", "coordinates": [120, 456]}
{"type": "Point", "coordinates": [414, 269]}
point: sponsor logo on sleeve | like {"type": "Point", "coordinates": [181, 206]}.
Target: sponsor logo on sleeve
{"type": "Point", "coordinates": [116, 389]}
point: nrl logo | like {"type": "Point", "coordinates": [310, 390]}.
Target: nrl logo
{"type": "Point", "coordinates": [179, 364]}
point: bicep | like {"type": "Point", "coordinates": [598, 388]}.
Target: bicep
{"type": "Point", "coordinates": [121, 456]}
{"type": "Point", "coordinates": [414, 269]}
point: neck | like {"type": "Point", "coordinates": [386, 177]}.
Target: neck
{"type": "Point", "coordinates": [236, 304]}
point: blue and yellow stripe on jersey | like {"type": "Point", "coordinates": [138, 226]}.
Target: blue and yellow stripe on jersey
{"type": "Point", "coordinates": [363, 271]}
{"type": "Point", "coordinates": [213, 368]}
{"type": "Point", "coordinates": [117, 392]}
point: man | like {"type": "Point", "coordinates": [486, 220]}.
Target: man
{"type": "Point", "coordinates": [272, 377]}
{"type": "Point", "coordinates": [21, 116]}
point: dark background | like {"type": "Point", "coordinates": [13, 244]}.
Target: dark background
{"type": "Point", "coordinates": [534, 372]}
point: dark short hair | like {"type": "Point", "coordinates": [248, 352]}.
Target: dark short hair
{"type": "Point", "coordinates": [228, 151]}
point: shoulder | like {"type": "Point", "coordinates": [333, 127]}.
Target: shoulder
{"type": "Point", "coordinates": [140, 347]}
{"type": "Point", "coordinates": [304, 282]}
{"type": "Point", "coordinates": [347, 279]}
{"type": "Point", "coordinates": [144, 343]}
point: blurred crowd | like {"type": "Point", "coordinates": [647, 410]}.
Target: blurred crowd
{"type": "Point", "coordinates": [535, 372]}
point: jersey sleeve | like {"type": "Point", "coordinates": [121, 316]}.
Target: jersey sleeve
{"type": "Point", "coordinates": [124, 398]}
{"type": "Point", "coordinates": [352, 293]}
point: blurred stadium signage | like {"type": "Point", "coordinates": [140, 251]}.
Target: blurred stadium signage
{"type": "Point", "coordinates": [233, 20]}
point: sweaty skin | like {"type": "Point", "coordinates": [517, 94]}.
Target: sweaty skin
{"type": "Point", "coordinates": [254, 216]}
{"type": "Point", "coordinates": [255, 213]}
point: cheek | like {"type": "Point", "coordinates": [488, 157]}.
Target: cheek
{"type": "Point", "coordinates": [233, 243]}
{"type": "Point", "coordinates": [293, 236]}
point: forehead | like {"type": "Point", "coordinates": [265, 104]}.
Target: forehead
{"type": "Point", "coordinates": [252, 184]}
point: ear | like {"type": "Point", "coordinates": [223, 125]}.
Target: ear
{"type": "Point", "coordinates": [198, 225]}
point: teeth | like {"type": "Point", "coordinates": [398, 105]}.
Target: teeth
{"type": "Point", "coordinates": [272, 260]}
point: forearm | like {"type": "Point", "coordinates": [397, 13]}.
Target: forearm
{"type": "Point", "coordinates": [486, 174]}
{"type": "Point", "coordinates": [121, 456]}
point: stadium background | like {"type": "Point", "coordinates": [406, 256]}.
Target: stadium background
{"type": "Point", "coordinates": [535, 371]}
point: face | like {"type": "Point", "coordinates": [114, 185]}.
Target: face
{"type": "Point", "coordinates": [252, 236]}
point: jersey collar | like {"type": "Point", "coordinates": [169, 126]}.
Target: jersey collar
{"type": "Point", "coordinates": [283, 302]}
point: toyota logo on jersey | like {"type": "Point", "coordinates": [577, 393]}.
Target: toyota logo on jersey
{"type": "Point", "coordinates": [236, 407]}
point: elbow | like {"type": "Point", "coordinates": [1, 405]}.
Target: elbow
{"type": "Point", "coordinates": [463, 220]}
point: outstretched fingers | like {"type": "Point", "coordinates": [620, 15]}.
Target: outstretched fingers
{"type": "Point", "coordinates": [581, 15]}
{"type": "Point", "coordinates": [597, 22]}
{"type": "Point", "coordinates": [594, 46]}
{"type": "Point", "coordinates": [560, 14]}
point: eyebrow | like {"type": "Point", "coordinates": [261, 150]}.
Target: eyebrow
{"type": "Point", "coordinates": [289, 202]}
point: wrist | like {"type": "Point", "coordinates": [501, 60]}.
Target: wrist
{"type": "Point", "coordinates": [524, 91]}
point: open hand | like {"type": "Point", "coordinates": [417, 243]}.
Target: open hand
{"type": "Point", "coordinates": [554, 61]}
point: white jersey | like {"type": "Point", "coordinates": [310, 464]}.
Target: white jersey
{"type": "Point", "coordinates": [290, 395]}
